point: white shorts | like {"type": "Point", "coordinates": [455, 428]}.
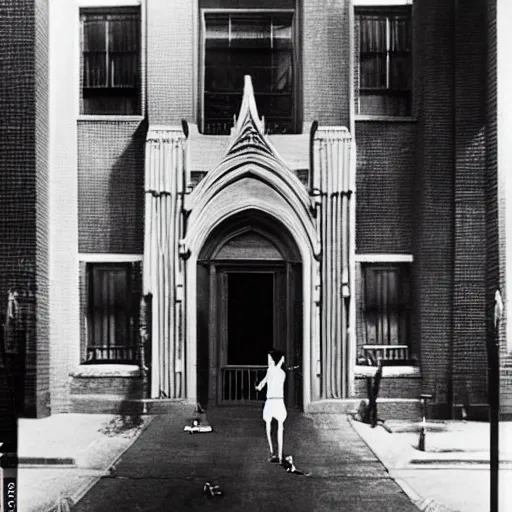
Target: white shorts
{"type": "Point", "coordinates": [274, 408]}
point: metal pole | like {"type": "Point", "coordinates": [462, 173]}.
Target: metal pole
{"type": "Point", "coordinates": [494, 388]}
{"type": "Point", "coordinates": [493, 355]}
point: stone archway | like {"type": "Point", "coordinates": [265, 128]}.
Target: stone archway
{"type": "Point", "coordinates": [249, 299]}
{"type": "Point", "coordinates": [251, 177]}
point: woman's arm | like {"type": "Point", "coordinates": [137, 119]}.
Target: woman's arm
{"type": "Point", "coordinates": [263, 382]}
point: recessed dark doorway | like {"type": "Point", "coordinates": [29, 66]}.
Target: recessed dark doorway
{"type": "Point", "coordinates": [249, 299]}
{"type": "Point", "coordinates": [250, 317]}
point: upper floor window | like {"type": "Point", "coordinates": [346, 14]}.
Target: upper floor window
{"type": "Point", "coordinates": [258, 44]}
{"type": "Point", "coordinates": [384, 61]}
{"type": "Point", "coordinates": [110, 64]}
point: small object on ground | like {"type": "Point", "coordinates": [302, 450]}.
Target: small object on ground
{"type": "Point", "coordinates": [196, 426]}
{"type": "Point", "coordinates": [373, 393]}
{"type": "Point", "coordinates": [212, 490]}
{"type": "Point", "coordinates": [112, 471]}
{"type": "Point", "coordinates": [273, 458]}
{"type": "Point", "coordinates": [424, 400]}
{"type": "Point", "coordinates": [290, 467]}
{"type": "Point", "coordinates": [64, 504]}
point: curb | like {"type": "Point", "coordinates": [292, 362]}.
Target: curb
{"type": "Point", "coordinates": [28, 462]}
{"type": "Point", "coordinates": [504, 464]}
{"type": "Point", "coordinates": [80, 492]}
{"type": "Point", "coordinates": [433, 506]}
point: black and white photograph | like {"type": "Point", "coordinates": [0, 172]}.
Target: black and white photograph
{"type": "Point", "coordinates": [254, 255]}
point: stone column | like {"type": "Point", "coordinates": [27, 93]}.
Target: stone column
{"type": "Point", "coordinates": [331, 185]}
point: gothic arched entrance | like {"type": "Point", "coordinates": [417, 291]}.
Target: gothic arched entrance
{"type": "Point", "coordinates": [249, 299]}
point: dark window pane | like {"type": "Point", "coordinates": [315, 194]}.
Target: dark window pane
{"type": "Point", "coordinates": [124, 70]}
{"type": "Point", "coordinates": [373, 34]}
{"type": "Point", "coordinates": [109, 101]}
{"type": "Point", "coordinates": [282, 72]}
{"type": "Point", "coordinates": [251, 32]}
{"type": "Point", "coordinates": [400, 36]}
{"type": "Point", "coordinates": [109, 314]}
{"type": "Point", "coordinates": [217, 31]}
{"type": "Point", "coordinates": [399, 71]}
{"type": "Point", "coordinates": [384, 63]}
{"type": "Point", "coordinates": [111, 62]}
{"type": "Point", "coordinates": [388, 103]}
{"type": "Point", "coordinates": [255, 45]}
{"type": "Point", "coordinates": [373, 71]}
{"type": "Point", "coordinates": [386, 305]}
{"type": "Point", "coordinates": [94, 35]}
{"type": "Point", "coordinates": [95, 69]}
{"type": "Point", "coordinates": [124, 35]}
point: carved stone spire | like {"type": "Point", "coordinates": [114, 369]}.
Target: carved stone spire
{"type": "Point", "coordinates": [249, 129]}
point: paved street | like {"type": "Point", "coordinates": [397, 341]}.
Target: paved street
{"type": "Point", "coordinates": [165, 469]}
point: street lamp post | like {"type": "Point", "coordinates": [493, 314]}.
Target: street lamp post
{"type": "Point", "coordinates": [493, 357]}
{"type": "Point", "coordinates": [423, 431]}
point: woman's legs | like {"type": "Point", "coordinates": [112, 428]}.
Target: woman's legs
{"type": "Point", "coordinates": [268, 425]}
{"type": "Point", "coordinates": [280, 428]}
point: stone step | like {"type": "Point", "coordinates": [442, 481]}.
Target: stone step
{"type": "Point", "coordinates": [388, 408]}
{"type": "Point", "coordinates": [118, 404]}
{"type": "Point", "coordinates": [128, 387]}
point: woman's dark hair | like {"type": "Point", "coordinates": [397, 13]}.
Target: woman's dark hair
{"type": "Point", "coordinates": [276, 355]}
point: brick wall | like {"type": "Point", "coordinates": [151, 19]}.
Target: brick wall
{"type": "Point", "coordinates": [172, 28]}
{"type": "Point", "coordinates": [494, 271]}
{"type": "Point", "coordinates": [111, 186]}
{"type": "Point", "coordinates": [433, 199]}
{"type": "Point", "coordinates": [42, 396]}
{"type": "Point", "coordinates": [385, 171]}
{"type": "Point", "coordinates": [470, 279]}
{"type": "Point", "coordinates": [391, 387]}
{"type": "Point", "coordinates": [23, 193]}
{"type": "Point", "coordinates": [326, 61]}
{"type": "Point", "coordinates": [126, 387]}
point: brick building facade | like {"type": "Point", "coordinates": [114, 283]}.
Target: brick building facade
{"type": "Point", "coordinates": [393, 246]}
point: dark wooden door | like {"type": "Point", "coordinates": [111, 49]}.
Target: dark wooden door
{"type": "Point", "coordinates": [244, 345]}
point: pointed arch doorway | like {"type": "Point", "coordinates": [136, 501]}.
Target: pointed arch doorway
{"type": "Point", "coordinates": [249, 299]}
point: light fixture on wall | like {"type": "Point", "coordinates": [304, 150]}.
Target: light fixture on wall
{"type": "Point", "coordinates": [345, 289]}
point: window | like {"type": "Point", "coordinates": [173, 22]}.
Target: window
{"type": "Point", "coordinates": [110, 336]}
{"type": "Point", "coordinates": [110, 64]}
{"type": "Point", "coordinates": [384, 64]}
{"type": "Point", "coordinates": [386, 309]}
{"type": "Point", "coordinates": [257, 44]}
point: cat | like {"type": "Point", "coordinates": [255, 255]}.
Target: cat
{"type": "Point", "coordinates": [290, 466]}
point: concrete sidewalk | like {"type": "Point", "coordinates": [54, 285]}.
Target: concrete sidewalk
{"type": "Point", "coordinates": [63, 455]}
{"type": "Point", "coordinates": [453, 472]}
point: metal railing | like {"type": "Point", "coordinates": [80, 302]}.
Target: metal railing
{"type": "Point", "coordinates": [386, 352]}
{"type": "Point", "coordinates": [238, 383]}
{"type": "Point", "coordinates": [111, 353]}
